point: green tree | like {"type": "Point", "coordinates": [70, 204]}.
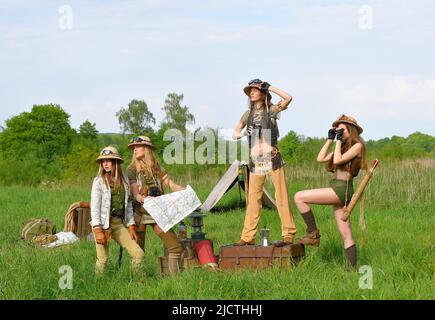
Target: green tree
{"type": "Point", "coordinates": [88, 130]}
{"type": "Point", "coordinates": [136, 118]}
{"type": "Point", "coordinates": [177, 116]}
{"type": "Point", "coordinates": [289, 146]}
{"type": "Point", "coordinates": [45, 131]}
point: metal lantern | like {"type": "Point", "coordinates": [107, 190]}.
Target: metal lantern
{"type": "Point", "coordinates": [197, 224]}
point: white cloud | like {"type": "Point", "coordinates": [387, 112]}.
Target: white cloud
{"type": "Point", "coordinates": [392, 96]}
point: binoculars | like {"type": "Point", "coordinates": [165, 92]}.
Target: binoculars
{"type": "Point", "coordinates": [154, 192]}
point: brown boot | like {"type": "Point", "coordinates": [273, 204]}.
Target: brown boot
{"type": "Point", "coordinates": [311, 238]}
{"type": "Point", "coordinates": [285, 242]}
{"type": "Point", "coordinates": [243, 243]}
{"type": "Point", "coordinates": [174, 263]}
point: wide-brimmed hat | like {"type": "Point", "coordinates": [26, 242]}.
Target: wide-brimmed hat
{"type": "Point", "coordinates": [109, 153]}
{"type": "Point", "coordinates": [349, 120]}
{"type": "Point", "coordinates": [247, 90]}
{"type": "Point", "coordinates": [141, 141]}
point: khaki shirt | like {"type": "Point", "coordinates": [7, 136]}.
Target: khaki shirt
{"type": "Point", "coordinates": [274, 111]}
{"type": "Point", "coordinates": [146, 180]}
{"type": "Point", "coordinates": [261, 153]}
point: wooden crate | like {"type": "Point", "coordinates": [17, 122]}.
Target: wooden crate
{"type": "Point", "coordinates": [259, 257]}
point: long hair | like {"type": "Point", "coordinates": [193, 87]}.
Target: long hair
{"type": "Point", "coordinates": [354, 138]}
{"type": "Point", "coordinates": [115, 175]}
{"type": "Point", "coordinates": [147, 164]}
{"type": "Point", "coordinates": [266, 100]}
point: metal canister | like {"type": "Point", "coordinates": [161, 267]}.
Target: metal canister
{"type": "Point", "coordinates": [265, 233]}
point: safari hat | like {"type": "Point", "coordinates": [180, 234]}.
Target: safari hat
{"type": "Point", "coordinates": [256, 84]}
{"type": "Point", "coordinates": [110, 153]}
{"type": "Point", "coordinates": [349, 120]}
{"type": "Point", "coordinates": [141, 141]}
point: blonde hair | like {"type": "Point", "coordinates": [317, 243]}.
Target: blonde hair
{"type": "Point", "coordinates": [146, 164]}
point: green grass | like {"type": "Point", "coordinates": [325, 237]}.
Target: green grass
{"type": "Point", "coordinates": [398, 244]}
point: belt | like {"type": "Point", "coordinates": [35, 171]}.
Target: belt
{"type": "Point", "coordinates": [117, 213]}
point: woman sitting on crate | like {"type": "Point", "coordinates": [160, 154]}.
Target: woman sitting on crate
{"type": "Point", "coordinates": [111, 210]}
{"type": "Point", "coordinates": [147, 178]}
{"type": "Point", "coordinates": [265, 158]}
{"type": "Point", "coordinates": [345, 162]}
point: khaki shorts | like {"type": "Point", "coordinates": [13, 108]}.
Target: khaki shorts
{"type": "Point", "coordinates": [145, 216]}
{"type": "Point", "coordinates": [339, 187]}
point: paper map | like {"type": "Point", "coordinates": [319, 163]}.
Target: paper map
{"type": "Point", "coordinates": [169, 209]}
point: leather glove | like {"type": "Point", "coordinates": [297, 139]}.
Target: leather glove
{"type": "Point", "coordinates": [331, 134]}
{"type": "Point", "coordinates": [133, 234]}
{"type": "Point", "coordinates": [340, 134]}
{"type": "Point", "coordinates": [100, 236]}
{"type": "Point", "coordinates": [108, 233]}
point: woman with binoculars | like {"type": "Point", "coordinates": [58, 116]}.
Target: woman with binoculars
{"type": "Point", "coordinates": [265, 158]}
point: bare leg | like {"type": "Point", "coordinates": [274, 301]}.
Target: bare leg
{"type": "Point", "coordinates": [346, 234]}
{"type": "Point", "coordinates": [344, 227]}
{"type": "Point", "coordinates": [315, 196]}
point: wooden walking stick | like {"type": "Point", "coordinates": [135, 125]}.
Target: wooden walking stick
{"type": "Point", "coordinates": [359, 192]}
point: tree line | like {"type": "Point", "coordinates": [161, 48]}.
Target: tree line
{"type": "Point", "coordinates": [40, 146]}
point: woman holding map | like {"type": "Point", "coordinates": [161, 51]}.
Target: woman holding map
{"type": "Point", "coordinates": [147, 178]}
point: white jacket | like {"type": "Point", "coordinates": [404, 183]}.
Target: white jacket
{"type": "Point", "coordinates": [100, 204]}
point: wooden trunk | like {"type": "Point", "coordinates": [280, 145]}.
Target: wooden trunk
{"type": "Point", "coordinates": [259, 257]}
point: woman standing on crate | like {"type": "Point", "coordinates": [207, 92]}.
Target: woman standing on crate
{"type": "Point", "coordinates": [345, 162]}
{"type": "Point", "coordinates": [147, 178]}
{"type": "Point", "coordinates": [265, 158]}
{"type": "Point", "coordinates": [111, 210]}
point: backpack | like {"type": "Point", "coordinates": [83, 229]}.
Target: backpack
{"type": "Point", "coordinates": [37, 226]}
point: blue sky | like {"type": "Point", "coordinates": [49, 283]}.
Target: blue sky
{"type": "Point", "coordinates": [317, 51]}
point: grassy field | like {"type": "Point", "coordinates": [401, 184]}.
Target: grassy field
{"type": "Point", "coordinates": [398, 244]}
